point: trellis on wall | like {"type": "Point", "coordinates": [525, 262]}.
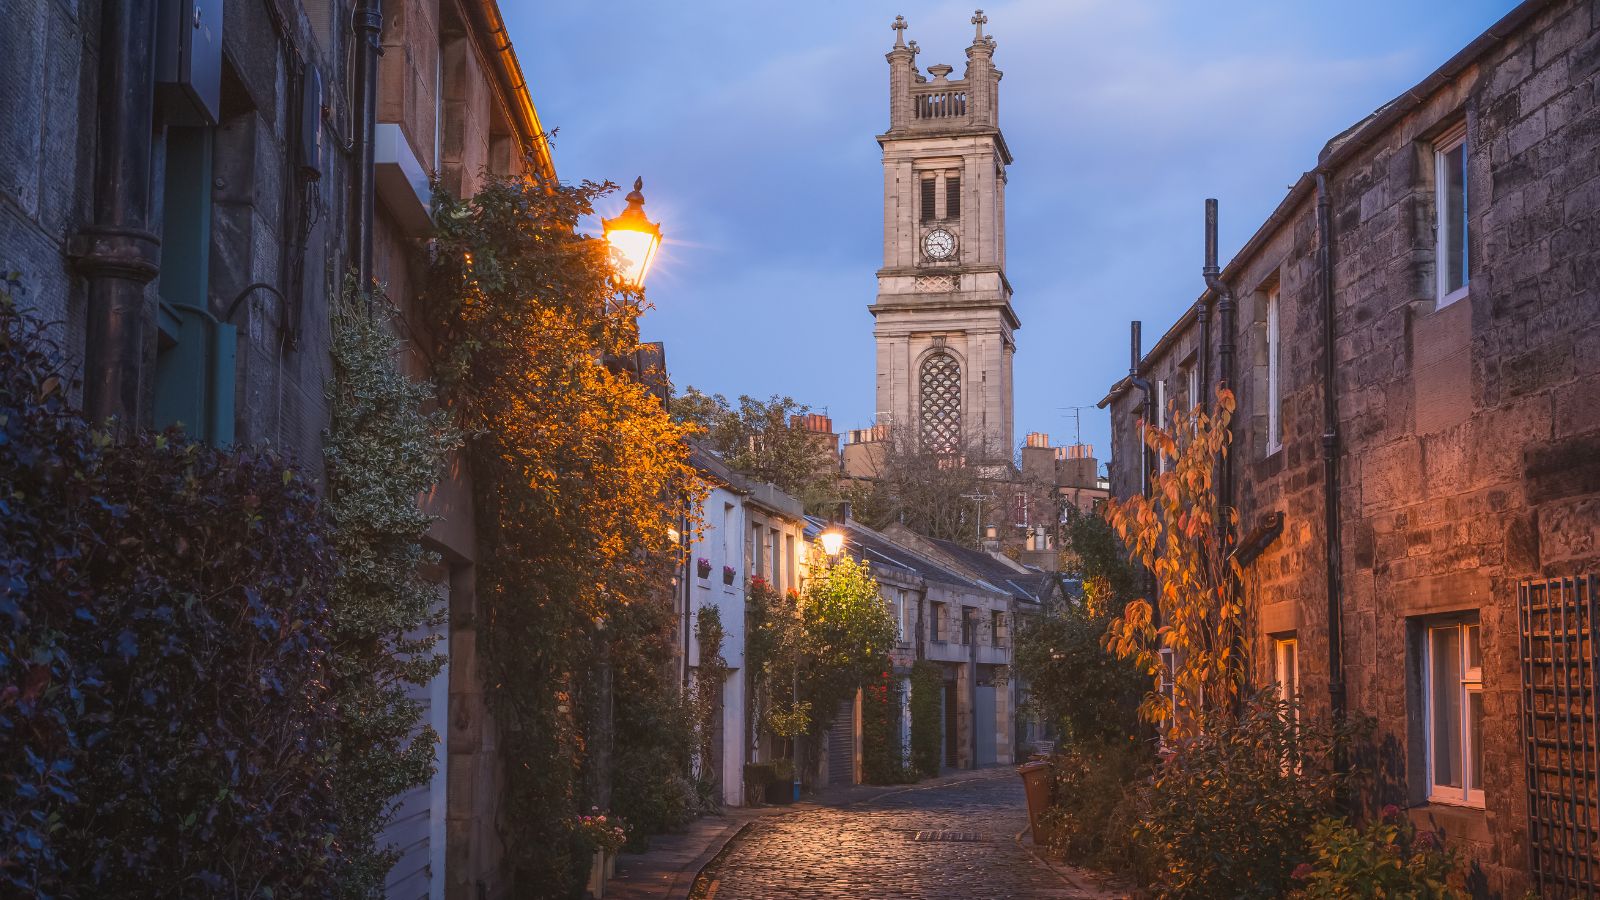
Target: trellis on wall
{"type": "Point", "coordinates": [1560, 659]}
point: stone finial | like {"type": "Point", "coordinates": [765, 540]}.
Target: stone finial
{"type": "Point", "coordinates": [978, 21]}
{"type": "Point", "coordinates": [914, 48]}
{"type": "Point", "coordinates": [899, 27]}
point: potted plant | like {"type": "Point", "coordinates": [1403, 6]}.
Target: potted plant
{"type": "Point", "coordinates": [605, 835]}
{"type": "Point", "coordinates": [781, 788]}
{"type": "Point", "coordinates": [727, 574]}
{"type": "Point", "coordinates": [758, 778]}
{"type": "Point", "coordinates": [702, 567]}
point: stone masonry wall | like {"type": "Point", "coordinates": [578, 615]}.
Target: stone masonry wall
{"type": "Point", "coordinates": [1471, 433]}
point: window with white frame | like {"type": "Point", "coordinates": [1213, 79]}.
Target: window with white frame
{"type": "Point", "coordinates": [1274, 377]}
{"type": "Point", "coordinates": [1451, 228]}
{"type": "Point", "coordinates": [1286, 666]}
{"type": "Point", "coordinates": [1194, 398]}
{"type": "Point", "coordinates": [1452, 700]}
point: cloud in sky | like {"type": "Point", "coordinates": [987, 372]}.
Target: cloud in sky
{"type": "Point", "coordinates": [753, 125]}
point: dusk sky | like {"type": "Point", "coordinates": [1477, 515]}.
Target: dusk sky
{"type": "Point", "coordinates": [753, 125]}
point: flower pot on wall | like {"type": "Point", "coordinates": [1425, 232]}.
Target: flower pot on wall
{"type": "Point", "coordinates": [703, 568]}
{"type": "Point", "coordinates": [727, 574]}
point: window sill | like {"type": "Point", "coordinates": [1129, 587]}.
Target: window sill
{"type": "Point", "coordinates": [1457, 820]}
{"type": "Point", "coordinates": [1272, 450]}
{"type": "Point", "coordinates": [1452, 297]}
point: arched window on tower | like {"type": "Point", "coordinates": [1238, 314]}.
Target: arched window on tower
{"type": "Point", "coordinates": [940, 394]}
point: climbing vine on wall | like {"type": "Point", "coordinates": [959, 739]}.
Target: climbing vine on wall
{"type": "Point", "coordinates": [578, 474]}
{"type": "Point", "coordinates": [709, 678]}
{"type": "Point", "coordinates": [382, 450]}
{"type": "Point", "coordinates": [927, 704]}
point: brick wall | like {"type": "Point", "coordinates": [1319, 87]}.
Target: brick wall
{"type": "Point", "coordinates": [1470, 433]}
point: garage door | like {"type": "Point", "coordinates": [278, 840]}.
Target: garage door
{"type": "Point", "coordinates": [842, 744]}
{"type": "Point", "coordinates": [417, 831]}
{"type": "Point", "coordinates": [984, 724]}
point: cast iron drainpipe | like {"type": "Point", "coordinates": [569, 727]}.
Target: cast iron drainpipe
{"type": "Point", "coordinates": [1330, 467]}
{"type": "Point", "coordinates": [1225, 311]}
{"type": "Point", "coordinates": [117, 253]}
{"type": "Point", "coordinates": [1139, 383]}
{"type": "Point", "coordinates": [367, 24]}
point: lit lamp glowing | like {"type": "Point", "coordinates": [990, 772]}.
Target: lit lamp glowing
{"type": "Point", "coordinates": [634, 237]}
{"type": "Point", "coordinates": [832, 541]}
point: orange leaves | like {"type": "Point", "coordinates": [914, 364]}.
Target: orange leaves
{"type": "Point", "coordinates": [1173, 532]}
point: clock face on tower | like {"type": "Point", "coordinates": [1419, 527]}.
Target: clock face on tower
{"type": "Point", "coordinates": [939, 244]}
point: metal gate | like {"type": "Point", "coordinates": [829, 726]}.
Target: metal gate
{"type": "Point", "coordinates": [1560, 659]}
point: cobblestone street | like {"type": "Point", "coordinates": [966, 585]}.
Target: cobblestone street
{"type": "Point", "coordinates": [880, 848]}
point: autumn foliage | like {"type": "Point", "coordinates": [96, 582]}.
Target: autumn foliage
{"type": "Point", "coordinates": [578, 475]}
{"type": "Point", "coordinates": [1179, 534]}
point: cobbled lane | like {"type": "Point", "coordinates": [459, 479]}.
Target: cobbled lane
{"type": "Point", "coordinates": [870, 849]}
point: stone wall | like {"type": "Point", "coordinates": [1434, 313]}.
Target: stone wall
{"type": "Point", "coordinates": [51, 91]}
{"type": "Point", "coordinates": [1470, 434]}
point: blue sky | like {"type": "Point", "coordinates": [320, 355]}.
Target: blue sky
{"type": "Point", "coordinates": [753, 125]}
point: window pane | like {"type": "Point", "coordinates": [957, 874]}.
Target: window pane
{"type": "Point", "coordinates": [1291, 669]}
{"type": "Point", "coordinates": [1474, 651]}
{"type": "Point", "coordinates": [1445, 690]}
{"type": "Point", "coordinates": [1475, 739]}
{"type": "Point", "coordinates": [1453, 217]}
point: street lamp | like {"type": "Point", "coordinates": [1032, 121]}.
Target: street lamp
{"type": "Point", "coordinates": [634, 237]}
{"type": "Point", "coordinates": [832, 541]}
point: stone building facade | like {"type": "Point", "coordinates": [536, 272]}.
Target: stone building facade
{"type": "Point", "coordinates": [749, 529]}
{"type": "Point", "coordinates": [240, 229]}
{"type": "Point", "coordinates": [944, 323]}
{"type": "Point", "coordinates": [1447, 243]}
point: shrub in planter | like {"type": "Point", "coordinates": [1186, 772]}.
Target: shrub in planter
{"type": "Point", "coordinates": [1388, 858]}
{"type": "Point", "coordinates": [757, 778]}
{"type": "Point", "coordinates": [164, 699]}
{"type": "Point", "coordinates": [781, 788]}
{"type": "Point", "coordinates": [1228, 813]}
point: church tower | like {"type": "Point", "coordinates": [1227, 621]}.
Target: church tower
{"type": "Point", "coordinates": [944, 324]}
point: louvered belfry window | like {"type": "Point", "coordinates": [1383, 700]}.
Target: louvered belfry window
{"type": "Point", "coordinates": [952, 197]}
{"type": "Point", "coordinates": [941, 403]}
{"type": "Point", "coordinates": [928, 211]}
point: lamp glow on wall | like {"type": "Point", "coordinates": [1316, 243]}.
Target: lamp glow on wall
{"type": "Point", "coordinates": [635, 238]}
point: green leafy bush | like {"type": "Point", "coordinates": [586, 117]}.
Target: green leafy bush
{"type": "Point", "coordinates": [1089, 783]}
{"type": "Point", "coordinates": [927, 726]}
{"type": "Point", "coordinates": [164, 665]}
{"type": "Point", "coordinates": [1388, 858]}
{"type": "Point", "coordinates": [1227, 814]}
{"type": "Point", "coordinates": [1074, 682]}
